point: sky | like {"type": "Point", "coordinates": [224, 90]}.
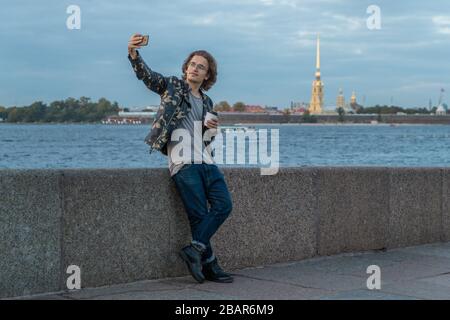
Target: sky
{"type": "Point", "coordinates": [265, 49]}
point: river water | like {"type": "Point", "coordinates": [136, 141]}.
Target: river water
{"type": "Point", "coordinates": [122, 146]}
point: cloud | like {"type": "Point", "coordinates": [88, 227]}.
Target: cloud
{"type": "Point", "coordinates": [442, 24]}
{"type": "Point", "coordinates": [297, 3]}
{"type": "Point", "coordinates": [229, 20]}
{"type": "Point", "coordinates": [255, 39]}
{"type": "Point", "coordinates": [209, 19]}
{"type": "Point", "coordinates": [289, 3]}
{"type": "Point", "coordinates": [420, 85]}
{"type": "Point", "coordinates": [267, 2]}
{"type": "Point", "coordinates": [343, 22]}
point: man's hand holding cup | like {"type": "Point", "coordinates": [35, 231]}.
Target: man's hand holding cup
{"type": "Point", "coordinates": [212, 121]}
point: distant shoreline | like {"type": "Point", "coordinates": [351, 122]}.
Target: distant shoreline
{"type": "Point", "coordinates": [284, 119]}
{"type": "Point", "coordinates": [238, 124]}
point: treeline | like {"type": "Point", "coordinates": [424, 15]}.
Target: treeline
{"type": "Point", "coordinates": [69, 110]}
{"type": "Point", "coordinates": [393, 110]}
{"type": "Point", "coordinates": [225, 106]}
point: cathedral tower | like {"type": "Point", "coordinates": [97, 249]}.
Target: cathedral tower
{"type": "Point", "coordinates": [316, 104]}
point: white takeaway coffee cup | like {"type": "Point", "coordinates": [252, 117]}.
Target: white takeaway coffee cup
{"type": "Point", "coordinates": [209, 116]}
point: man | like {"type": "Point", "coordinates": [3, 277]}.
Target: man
{"type": "Point", "coordinates": [183, 107]}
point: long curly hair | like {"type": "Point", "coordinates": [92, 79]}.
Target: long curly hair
{"type": "Point", "coordinates": [212, 69]}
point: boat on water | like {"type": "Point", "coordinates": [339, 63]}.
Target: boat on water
{"type": "Point", "coordinates": [236, 128]}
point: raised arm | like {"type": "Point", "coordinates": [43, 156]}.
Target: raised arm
{"type": "Point", "coordinates": [153, 80]}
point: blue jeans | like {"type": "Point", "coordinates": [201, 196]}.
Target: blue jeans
{"type": "Point", "coordinates": [199, 183]}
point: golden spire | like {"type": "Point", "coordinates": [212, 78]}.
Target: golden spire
{"type": "Point", "coordinates": [318, 58]}
{"type": "Point", "coordinates": [315, 107]}
{"type": "Point", "coordinates": [353, 97]}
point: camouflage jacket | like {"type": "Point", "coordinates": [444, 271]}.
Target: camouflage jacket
{"type": "Point", "coordinates": [174, 106]}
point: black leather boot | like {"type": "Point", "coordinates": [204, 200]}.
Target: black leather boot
{"type": "Point", "coordinates": [192, 255]}
{"type": "Point", "coordinates": [213, 272]}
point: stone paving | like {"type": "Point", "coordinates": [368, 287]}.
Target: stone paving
{"type": "Point", "coordinates": [420, 272]}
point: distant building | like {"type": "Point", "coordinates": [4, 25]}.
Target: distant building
{"type": "Point", "coordinates": [440, 111]}
{"type": "Point", "coordinates": [254, 108]}
{"type": "Point", "coordinates": [133, 117]}
{"type": "Point", "coordinates": [353, 104]}
{"type": "Point", "coordinates": [300, 110]}
{"type": "Point", "coordinates": [137, 114]}
{"type": "Point", "coordinates": [151, 108]}
{"type": "Point", "coordinates": [271, 109]}
{"type": "Point", "coordinates": [442, 107]}
{"type": "Point", "coordinates": [125, 120]}
{"type": "Point", "coordinates": [353, 98]}
{"type": "Point", "coordinates": [340, 101]}
{"type": "Point", "coordinates": [298, 107]}
{"type": "Point", "coordinates": [260, 109]}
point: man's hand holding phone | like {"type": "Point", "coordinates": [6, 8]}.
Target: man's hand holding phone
{"type": "Point", "coordinates": [136, 42]}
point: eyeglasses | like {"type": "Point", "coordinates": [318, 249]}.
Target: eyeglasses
{"type": "Point", "coordinates": [199, 66]}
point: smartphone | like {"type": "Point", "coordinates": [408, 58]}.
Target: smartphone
{"type": "Point", "coordinates": [144, 41]}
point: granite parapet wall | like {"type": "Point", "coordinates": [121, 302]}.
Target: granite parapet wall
{"type": "Point", "coordinates": [125, 225]}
